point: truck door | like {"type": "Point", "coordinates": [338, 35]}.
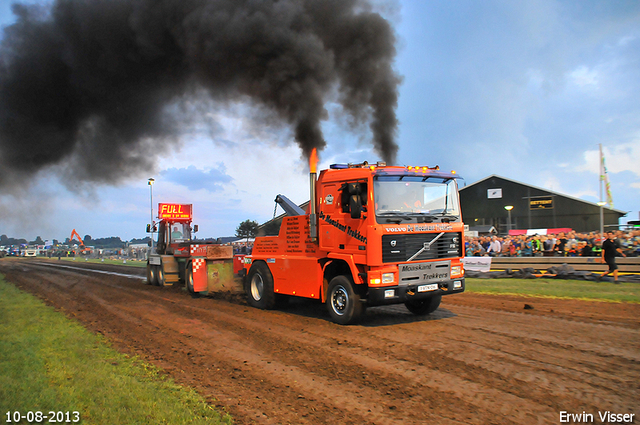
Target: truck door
{"type": "Point", "coordinates": [342, 219]}
{"type": "Point", "coordinates": [329, 209]}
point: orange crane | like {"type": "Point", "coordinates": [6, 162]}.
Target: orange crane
{"type": "Point", "coordinates": [74, 233]}
{"type": "Point", "coordinates": [83, 249]}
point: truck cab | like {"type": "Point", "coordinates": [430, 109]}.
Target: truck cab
{"type": "Point", "coordinates": [171, 235]}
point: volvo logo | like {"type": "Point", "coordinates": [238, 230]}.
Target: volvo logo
{"type": "Point", "coordinates": [393, 243]}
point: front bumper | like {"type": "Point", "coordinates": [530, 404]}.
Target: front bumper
{"type": "Point", "coordinates": [401, 294]}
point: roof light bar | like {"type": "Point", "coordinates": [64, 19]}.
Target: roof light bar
{"type": "Point", "coordinates": [424, 169]}
{"type": "Point", "coordinates": [364, 164]}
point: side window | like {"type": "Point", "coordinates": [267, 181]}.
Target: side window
{"type": "Point", "coordinates": [354, 194]}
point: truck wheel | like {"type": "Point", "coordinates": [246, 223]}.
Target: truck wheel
{"type": "Point", "coordinates": [343, 302]}
{"type": "Point", "coordinates": [260, 287]}
{"type": "Point", "coordinates": [424, 306]}
{"type": "Point", "coordinates": [188, 277]}
{"type": "Point", "coordinates": [160, 281]}
{"type": "Point", "coordinates": [151, 274]}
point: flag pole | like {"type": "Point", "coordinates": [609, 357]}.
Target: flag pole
{"type": "Point", "coordinates": [601, 203]}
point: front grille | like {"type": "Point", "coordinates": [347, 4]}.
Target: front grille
{"type": "Point", "coordinates": [399, 248]}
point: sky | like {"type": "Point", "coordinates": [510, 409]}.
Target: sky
{"type": "Point", "coordinates": [525, 90]}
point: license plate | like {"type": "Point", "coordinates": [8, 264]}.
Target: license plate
{"type": "Point", "coordinates": [426, 288]}
{"type": "Point", "coordinates": [424, 272]}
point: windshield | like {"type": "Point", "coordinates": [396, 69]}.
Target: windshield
{"type": "Point", "coordinates": [180, 232]}
{"type": "Point", "coordinates": [427, 199]}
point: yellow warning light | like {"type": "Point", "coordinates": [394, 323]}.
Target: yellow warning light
{"type": "Point", "coordinates": [453, 171]}
{"type": "Point", "coordinates": [409, 167]}
{"type": "Point", "coordinates": [425, 168]}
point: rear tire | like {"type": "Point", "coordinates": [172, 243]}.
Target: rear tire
{"type": "Point", "coordinates": [160, 281]}
{"type": "Point", "coordinates": [259, 287]}
{"type": "Point", "coordinates": [424, 306]}
{"type": "Point", "coordinates": [343, 302]}
{"type": "Point", "coordinates": [188, 277]}
{"type": "Point", "coordinates": [152, 275]}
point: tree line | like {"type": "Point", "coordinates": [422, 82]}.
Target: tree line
{"type": "Point", "coordinates": [246, 229]}
{"type": "Point", "coordinates": [112, 242]}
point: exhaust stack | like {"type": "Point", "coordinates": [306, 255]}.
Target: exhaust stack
{"type": "Point", "coordinates": [313, 219]}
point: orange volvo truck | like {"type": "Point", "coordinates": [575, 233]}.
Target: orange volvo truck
{"type": "Point", "coordinates": [373, 235]}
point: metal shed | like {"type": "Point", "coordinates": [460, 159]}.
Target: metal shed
{"type": "Point", "coordinates": [483, 203]}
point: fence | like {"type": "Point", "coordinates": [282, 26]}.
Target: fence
{"type": "Point", "coordinates": [592, 264]}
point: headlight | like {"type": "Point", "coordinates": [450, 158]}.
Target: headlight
{"type": "Point", "coordinates": [387, 278]}
{"type": "Point", "coordinates": [456, 270]}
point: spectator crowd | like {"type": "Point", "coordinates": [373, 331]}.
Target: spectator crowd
{"type": "Point", "coordinates": [571, 244]}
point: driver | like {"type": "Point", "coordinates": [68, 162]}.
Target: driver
{"type": "Point", "coordinates": [414, 202]}
{"type": "Point", "coordinates": [176, 234]}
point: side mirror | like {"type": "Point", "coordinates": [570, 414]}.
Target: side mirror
{"type": "Point", "coordinates": [355, 206]}
{"type": "Point", "coordinates": [195, 228]}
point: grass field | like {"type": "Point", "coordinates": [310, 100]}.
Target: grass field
{"type": "Point", "coordinates": [49, 363]}
{"type": "Point", "coordinates": [557, 288]}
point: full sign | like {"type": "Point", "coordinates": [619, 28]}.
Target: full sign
{"type": "Point", "coordinates": [174, 211]}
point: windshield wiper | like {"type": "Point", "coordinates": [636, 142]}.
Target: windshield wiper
{"type": "Point", "coordinates": [423, 217]}
{"type": "Point", "coordinates": [397, 216]}
{"type": "Point", "coordinates": [447, 217]}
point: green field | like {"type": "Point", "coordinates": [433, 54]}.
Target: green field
{"type": "Point", "coordinates": [557, 288]}
{"type": "Point", "coordinates": [49, 363]}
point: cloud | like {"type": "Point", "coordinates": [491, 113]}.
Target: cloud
{"type": "Point", "coordinates": [552, 183]}
{"type": "Point", "coordinates": [589, 193]}
{"type": "Point", "coordinates": [618, 158]}
{"type": "Point", "coordinates": [193, 178]}
{"type": "Point", "coordinates": [583, 76]}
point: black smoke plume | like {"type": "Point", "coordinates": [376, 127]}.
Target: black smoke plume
{"type": "Point", "coordinates": [86, 83]}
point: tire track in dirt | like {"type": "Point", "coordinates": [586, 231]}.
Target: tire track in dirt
{"type": "Point", "coordinates": [464, 364]}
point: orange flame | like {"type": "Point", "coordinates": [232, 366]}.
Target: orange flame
{"type": "Point", "coordinates": [313, 161]}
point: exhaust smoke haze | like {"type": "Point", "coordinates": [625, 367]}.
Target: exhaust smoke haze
{"type": "Point", "coordinates": [86, 85]}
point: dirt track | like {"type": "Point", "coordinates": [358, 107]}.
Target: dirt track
{"type": "Point", "coordinates": [476, 360]}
